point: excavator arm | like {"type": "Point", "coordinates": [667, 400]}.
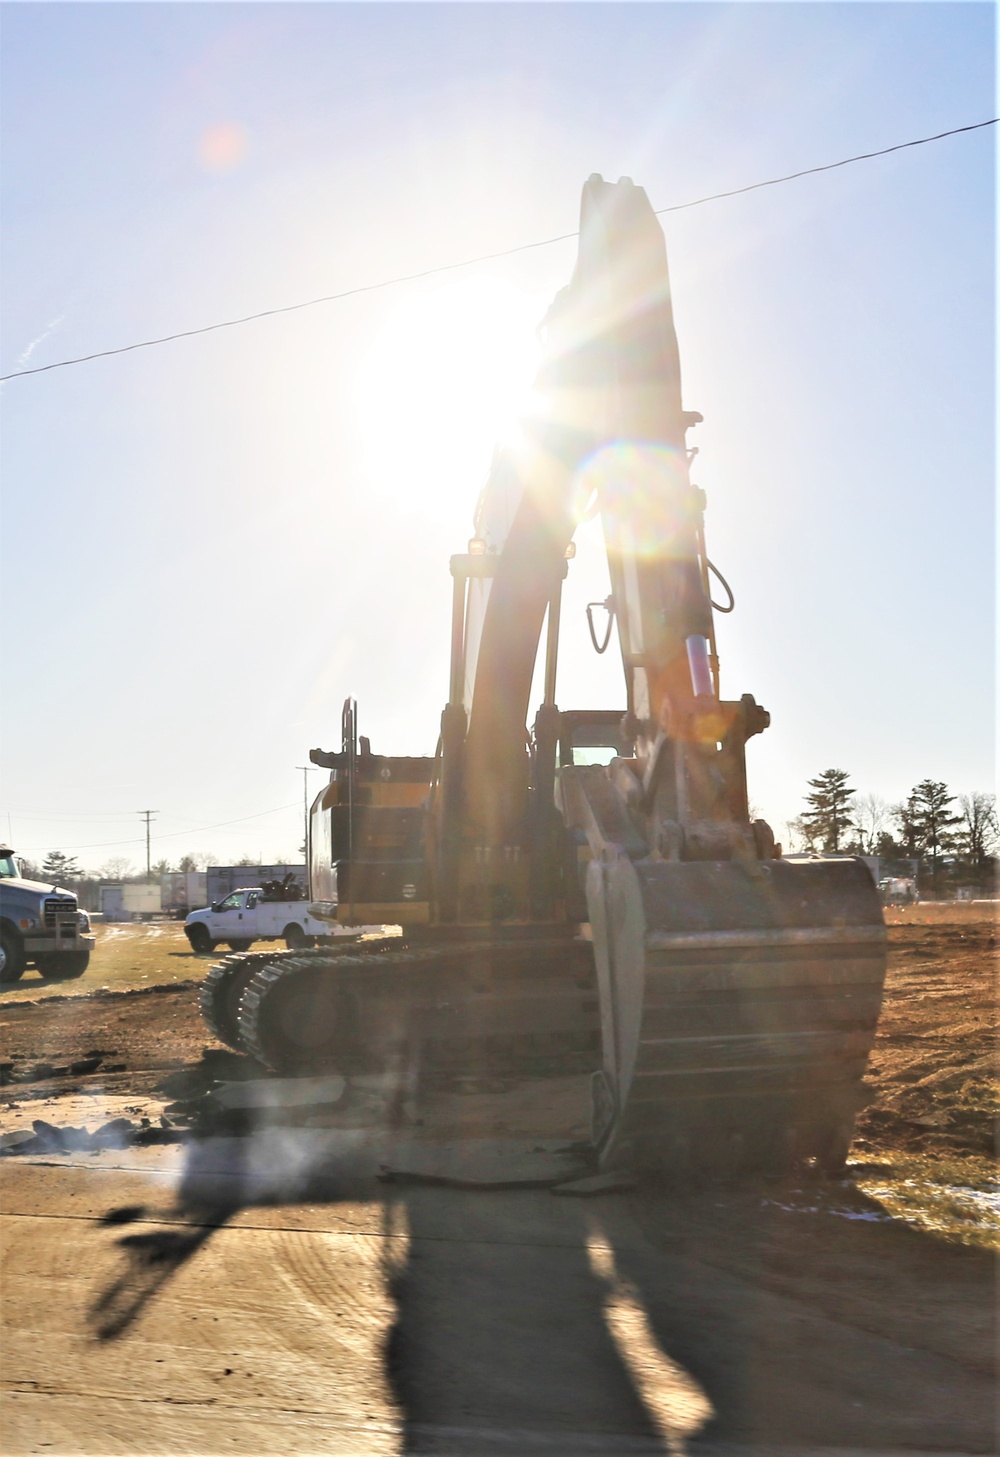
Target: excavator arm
{"type": "Point", "coordinates": [608, 424]}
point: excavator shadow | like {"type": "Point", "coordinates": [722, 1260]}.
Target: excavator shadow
{"type": "Point", "coordinates": [650, 1321]}
{"type": "Point", "coordinates": [644, 1322]}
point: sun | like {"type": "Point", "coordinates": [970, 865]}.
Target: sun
{"type": "Point", "coordinates": [445, 380]}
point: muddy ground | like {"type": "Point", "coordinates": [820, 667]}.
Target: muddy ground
{"type": "Point", "coordinates": [790, 1315]}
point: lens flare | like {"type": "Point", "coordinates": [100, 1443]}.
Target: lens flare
{"type": "Point", "coordinates": [649, 481]}
{"type": "Point", "coordinates": [222, 147]}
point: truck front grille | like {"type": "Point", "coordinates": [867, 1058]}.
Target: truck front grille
{"type": "Point", "coordinates": [60, 911]}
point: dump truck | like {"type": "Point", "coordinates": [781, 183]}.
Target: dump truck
{"type": "Point", "coordinates": [586, 889]}
{"type": "Point", "coordinates": [40, 923]}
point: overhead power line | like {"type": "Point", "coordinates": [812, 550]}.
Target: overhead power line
{"type": "Point", "coordinates": [330, 298]}
{"type": "Point", "coordinates": [171, 834]}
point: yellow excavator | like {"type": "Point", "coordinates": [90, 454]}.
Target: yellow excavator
{"type": "Point", "coordinates": [589, 894]}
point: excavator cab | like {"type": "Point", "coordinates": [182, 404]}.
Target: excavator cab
{"type": "Point", "coordinates": [592, 736]}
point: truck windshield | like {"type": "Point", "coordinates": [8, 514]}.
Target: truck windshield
{"type": "Point", "coordinates": [8, 868]}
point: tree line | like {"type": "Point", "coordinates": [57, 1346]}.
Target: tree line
{"type": "Point", "coordinates": [954, 838]}
{"type": "Point", "coordinates": [61, 869]}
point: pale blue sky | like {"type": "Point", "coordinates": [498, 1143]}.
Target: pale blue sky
{"type": "Point", "coordinates": [209, 544]}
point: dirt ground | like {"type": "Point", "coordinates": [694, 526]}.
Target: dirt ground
{"type": "Point", "coordinates": [932, 1072]}
{"type": "Point", "coordinates": [790, 1316]}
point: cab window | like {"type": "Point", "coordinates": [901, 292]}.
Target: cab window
{"type": "Point", "coordinates": [232, 902]}
{"type": "Point", "coordinates": [594, 753]}
{"type": "Point", "coordinates": [251, 900]}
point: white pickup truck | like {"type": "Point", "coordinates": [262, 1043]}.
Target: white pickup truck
{"type": "Point", "coordinates": [246, 916]}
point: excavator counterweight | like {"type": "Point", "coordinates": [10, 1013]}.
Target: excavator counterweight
{"type": "Point", "coordinates": [588, 894]}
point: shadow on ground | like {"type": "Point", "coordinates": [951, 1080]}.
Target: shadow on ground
{"type": "Point", "coordinates": [639, 1322]}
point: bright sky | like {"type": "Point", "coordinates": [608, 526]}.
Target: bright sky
{"type": "Point", "coordinates": [208, 545]}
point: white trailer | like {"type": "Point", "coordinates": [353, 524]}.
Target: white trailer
{"type": "Point", "coordinates": [133, 901]}
{"type": "Point", "coordinates": [182, 891]}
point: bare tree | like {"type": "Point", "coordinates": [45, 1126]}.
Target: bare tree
{"type": "Point", "coordinates": [871, 819]}
{"type": "Point", "coordinates": [117, 868]}
{"type": "Point", "coordinates": [801, 836]}
{"type": "Point", "coordinates": [979, 830]}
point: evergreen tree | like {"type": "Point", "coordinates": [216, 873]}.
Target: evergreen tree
{"type": "Point", "coordinates": [60, 868]}
{"type": "Point", "coordinates": [927, 824]}
{"type": "Point", "coordinates": [828, 817]}
{"type": "Point", "coordinates": [905, 816]}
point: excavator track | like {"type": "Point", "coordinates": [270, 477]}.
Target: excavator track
{"type": "Point", "coordinates": [509, 1008]}
{"type": "Point", "coordinates": [223, 987]}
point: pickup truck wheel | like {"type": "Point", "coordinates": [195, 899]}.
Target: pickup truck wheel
{"type": "Point", "coordinates": [12, 961]}
{"type": "Point", "coordinates": [241, 944]}
{"type": "Point", "coordinates": [66, 967]}
{"type": "Point", "coordinates": [295, 937]}
{"type": "Point", "coordinates": [201, 941]}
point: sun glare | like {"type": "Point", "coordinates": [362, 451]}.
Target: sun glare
{"type": "Point", "coordinates": [446, 379]}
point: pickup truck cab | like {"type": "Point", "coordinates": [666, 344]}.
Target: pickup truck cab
{"type": "Point", "coordinates": [247, 916]}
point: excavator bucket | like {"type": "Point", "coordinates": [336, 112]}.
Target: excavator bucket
{"type": "Point", "coordinates": [738, 1008]}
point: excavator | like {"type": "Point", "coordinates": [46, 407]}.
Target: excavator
{"type": "Point", "coordinates": [588, 894]}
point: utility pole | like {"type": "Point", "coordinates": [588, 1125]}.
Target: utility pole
{"type": "Point", "coordinates": [147, 815]}
{"type": "Point", "coordinates": [306, 769]}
